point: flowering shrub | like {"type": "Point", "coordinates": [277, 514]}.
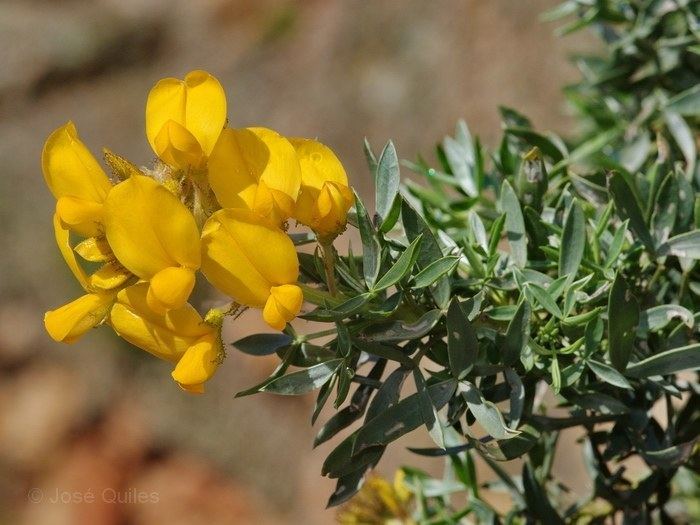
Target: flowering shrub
{"type": "Point", "coordinates": [546, 273]}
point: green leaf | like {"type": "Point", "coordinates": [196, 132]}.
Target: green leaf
{"type": "Point", "coordinates": [573, 241]}
{"type": "Point", "coordinates": [429, 252]}
{"type": "Point", "coordinates": [518, 334]}
{"type": "Point", "coordinates": [371, 251]}
{"type": "Point", "coordinates": [665, 363]}
{"type": "Point", "coordinates": [534, 138]}
{"type": "Point", "coordinates": [684, 137]}
{"type": "Point", "coordinates": [462, 344]}
{"type": "Point", "coordinates": [658, 317]}
{"type": "Point", "coordinates": [665, 209]}
{"type": "Point", "coordinates": [303, 381]}
{"type": "Point", "coordinates": [508, 449]}
{"type": "Point", "coordinates": [435, 271]}
{"type": "Point", "coordinates": [460, 156]}
{"type": "Point", "coordinates": [485, 412]}
{"type": "Point", "coordinates": [262, 344]}
{"type": "Point", "coordinates": [402, 330]}
{"type": "Point", "coordinates": [555, 374]}
{"type": "Point", "coordinates": [623, 318]}
{"type": "Point", "coordinates": [683, 245]}
{"type": "Point", "coordinates": [588, 148]}
{"type": "Point", "coordinates": [387, 181]}
{"type": "Point", "coordinates": [388, 394]}
{"type": "Point", "coordinates": [514, 225]}
{"type": "Point", "coordinates": [544, 299]}
{"type": "Point", "coordinates": [401, 418]}
{"type": "Point", "coordinates": [616, 244]}
{"type": "Point", "coordinates": [686, 103]}
{"type": "Point", "coordinates": [538, 504]}
{"type": "Point", "coordinates": [608, 374]}
{"type": "Point", "coordinates": [602, 403]}
{"type": "Point", "coordinates": [628, 207]}
{"type": "Point", "coordinates": [401, 267]}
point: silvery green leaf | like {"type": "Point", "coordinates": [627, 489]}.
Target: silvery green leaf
{"type": "Point", "coordinates": [514, 225]}
{"type": "Point", "coordinates": [485, 412]}
{"type": "Point", "coordinates": [303, 381]}
{"type": "Point", "coordinates": [387, 181]}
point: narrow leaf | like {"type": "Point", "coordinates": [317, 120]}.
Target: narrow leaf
{"type": "Point", "coordinates": [462, 344]}
{"type": "Point", "coordinates": [401, 267]}
{"type": "Point", "coordinates": [303, 381]}
{"type": "Point", "coordinates": [623, 318]}
{"type": "Point", "coordinates": [387, 181]}
{"type": "Point", "coordinates": [573, 241]}
{"type": "Point", "coordinates": [514, 225]}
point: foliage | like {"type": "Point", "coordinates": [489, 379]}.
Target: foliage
{"type": "Point", "coordinates": [545, 285]}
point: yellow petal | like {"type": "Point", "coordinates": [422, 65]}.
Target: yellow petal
{"type": "Point", "coordinates": [324, 198]}
{"type": "Point", "coordinates": [244, 258]}
{"type": "Point", "coordinates": [318, 163]}
{"type": "Point", "coordinates": [198, 364]}
{"type": "Point", "coordinates": [110, 276]}
{"type": "Point", "coordinates": [166, 335]}
{"type": "Point", "coordinates": [283, 305]}
{"type": "Point", "coordinates": [69, 168]}
{"type": "Point", "coordinates": [198, 103]}
{"type": "Point", "coordinates": [176, 146]}
{"type": "Point", "coordinates": [81, 215]}
{"type": "Point", "coordinates": [94, 249]}
{"type": "Point", "coordinates": [329, 215]}
{"type": "Point", "coordinates": [63, 240]}
{"type": "Point", "coordinates": [149, 229]}
{"type": "Point", "coordinates": [243, 158]}
{"type": "Point", "coordinates": [69, 322]}
{"type": "Point", "coordinates": [170, 288]}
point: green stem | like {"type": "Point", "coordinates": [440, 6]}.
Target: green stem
{"type": "Point", "coordinates": [328, 255]}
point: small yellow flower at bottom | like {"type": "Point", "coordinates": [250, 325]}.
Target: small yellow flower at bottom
{"type": "Point", "coordinates": [179, 336]}
{"type": "Point", "coordinates": [254, 263]}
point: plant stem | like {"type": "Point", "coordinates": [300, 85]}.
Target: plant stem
{"type": "Point", "coordinates": [328, 255]}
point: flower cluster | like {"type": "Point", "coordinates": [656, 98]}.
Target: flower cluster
{"type": "Point", "coordinates": [217, 199]}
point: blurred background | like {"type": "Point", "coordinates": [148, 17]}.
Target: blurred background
{"type": "Point", "coordinates": [103, 415]}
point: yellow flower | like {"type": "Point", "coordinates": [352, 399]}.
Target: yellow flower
{"type": "Point", "coordinates": [325, 197]}
{"type": "Point", "coordinates": [179, 336]}
{"type": "Point", "coordinates": [254, 263]}
{"type": "Point", "coordinates": [379, 503]}
{"type": "Point", "coordinates": [69, 322]}
{"type": "Point", "coordinates": [155, 237]}
{"type": "Point", "coordinates": [255, 169]}
{"type": "Point", "coordinates": [184, 119]}
{"type": "Point", "coordinates": [75, 179]}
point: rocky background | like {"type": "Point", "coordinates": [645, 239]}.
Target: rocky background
{"type": "Point", "coordinates": [103, 418]}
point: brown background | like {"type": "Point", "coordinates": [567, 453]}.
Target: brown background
{"type": "Point", "coordinates": [100, 414]}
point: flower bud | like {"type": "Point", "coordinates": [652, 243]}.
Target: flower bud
{"type": "Point", "coordinates": [184, 119]}
{"type": "Point", "coordinates": [254, 263]}
{"type": "Point", "coordinates": [325, 198]}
